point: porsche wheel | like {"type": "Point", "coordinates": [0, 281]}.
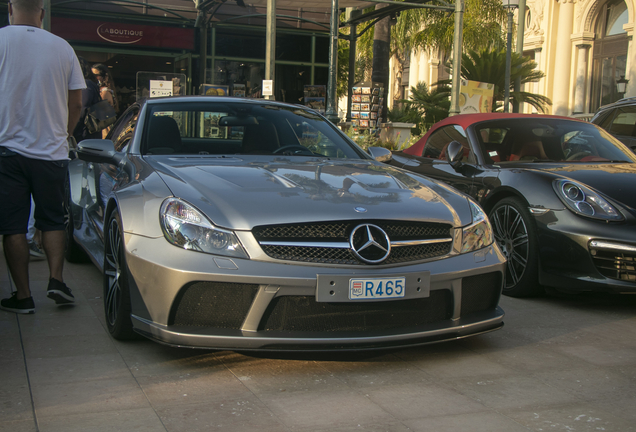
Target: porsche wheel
{"type": "Point", "coordinates": [116, 294]}
{"type": "Point", "coordinates": [515, 233]}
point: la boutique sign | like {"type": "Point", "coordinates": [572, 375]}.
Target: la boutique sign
{"type": "Point", "coordinates": [129, 34]}
{"type": "Point", "coordinates": [119, 34]}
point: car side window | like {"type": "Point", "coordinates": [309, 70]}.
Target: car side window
{"type": "Point", "coordinates": [605, 119]}
{"type": "Point", "coordinates": [436, 144]}
{"type": "Point", "coordinates": [624, 122]}
{"type": "Point", "coordinates": [124, 130]}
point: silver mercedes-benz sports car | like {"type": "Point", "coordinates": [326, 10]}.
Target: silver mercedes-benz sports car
{"type": "Point", "coordinates": [243, 224]}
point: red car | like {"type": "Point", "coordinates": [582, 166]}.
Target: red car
{"type": "Point", "coordinates": [560, 193]}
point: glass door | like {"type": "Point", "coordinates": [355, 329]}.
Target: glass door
{"type": "Point", "coordinates": [183, 65]}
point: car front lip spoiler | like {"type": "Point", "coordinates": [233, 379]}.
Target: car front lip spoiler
{"type": "Point", "coordinates": [226, 339]}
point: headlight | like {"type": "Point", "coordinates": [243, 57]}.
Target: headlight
{"type": "Point", "coordinates": [478, 234]}
{"type": "Point", "coordinates": [188, 228]}
{"type": "Point", "coordinates": [585, 202]}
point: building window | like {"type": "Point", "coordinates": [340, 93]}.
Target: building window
{"type": "Point", "coordinates": [610, 54]}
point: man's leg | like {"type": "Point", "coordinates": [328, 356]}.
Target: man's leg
{"type": "Point", "coordinates": [16, 252]}
{"type": "Point", "coordinates": [53, 243]}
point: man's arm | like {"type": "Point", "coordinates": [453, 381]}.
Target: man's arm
{"type": "Point", "coordinates": [74, 109]}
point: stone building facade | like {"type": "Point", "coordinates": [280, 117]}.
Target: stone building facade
{"type": "Point", "coordinates": [583, 46]}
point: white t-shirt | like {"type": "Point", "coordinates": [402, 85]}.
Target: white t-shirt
{"type": "Point", "coordinates": [37, 69]}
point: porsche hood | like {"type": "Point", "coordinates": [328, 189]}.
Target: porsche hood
{"type": "Point", "coordinates": [238, 194]}
{"type": "Point", "coordinates": [616, 181]}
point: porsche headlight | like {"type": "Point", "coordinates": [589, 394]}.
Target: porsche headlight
{"type": "Point", "coordinates": [186, 227]}
{"type": "Point", "coordinates": [585, 202]}
{"type": "Point", "coordinates": [478, 234]}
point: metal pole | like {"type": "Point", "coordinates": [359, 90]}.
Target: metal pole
{"type": "Point", "coordinates": [508, 60]}
{"type": "Point", "coordinates": [270, 45]}
{"type": "Point", "coordinates": [521, 28]}
{"type": "Point", "coordinates": [332, 111]}
{"type": "Point", "coordinates": [46, 23]}
{"type": "Point", "coordinates": [457, 56]}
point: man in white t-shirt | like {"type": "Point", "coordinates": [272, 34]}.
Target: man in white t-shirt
{"type": "Point", "coordinates": [41, 85]}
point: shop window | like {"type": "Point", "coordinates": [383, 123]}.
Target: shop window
{"type": "Point", "coordinates": [240, 43]}
{"type": "Point", "coordinates": [290, 83]}
{"type": "Point", "coordinates": [293, 47]}
{"type": "Point", "coordinates": [321, 75]}
{"type": "Point", "coordinates": [322, 50]}
{"type": "Point", "coordinates": [248, 76]}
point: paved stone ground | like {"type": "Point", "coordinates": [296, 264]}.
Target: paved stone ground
{"type": "Point", "coordinates": [559, 364]}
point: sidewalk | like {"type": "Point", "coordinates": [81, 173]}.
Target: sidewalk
{"type": "Point", "coordinates": [557, 365]}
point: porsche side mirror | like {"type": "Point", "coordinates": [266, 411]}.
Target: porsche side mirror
{"type": "Point", "coordinates": [454, 154]}
{"type": "Point", "coordinates": [380, 154]}
{"type": "Point", "coordinates": [98, 151]}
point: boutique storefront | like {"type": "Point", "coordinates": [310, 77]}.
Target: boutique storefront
{"type": "Point", "coordinates": [138, 42]}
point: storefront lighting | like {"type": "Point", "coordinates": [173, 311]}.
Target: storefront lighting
{"type": "Point", "coordinates": [621, 84]}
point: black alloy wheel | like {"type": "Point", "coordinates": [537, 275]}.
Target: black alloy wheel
{"type": "Point", "coordinates": [515, 233]}
{"type": "Point", "coordinates": [116, 293]}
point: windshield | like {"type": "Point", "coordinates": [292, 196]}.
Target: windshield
{"type": "Point", "coordinates": [227, 128]}
{"type": "Point", "coordinates": [541, 139]}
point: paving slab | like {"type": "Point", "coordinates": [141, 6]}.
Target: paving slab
{"type": "Point", "coordinates": [559, 363]}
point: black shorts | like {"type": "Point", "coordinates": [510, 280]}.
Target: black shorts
{"type": "Point", "coordinates": [21, 178]}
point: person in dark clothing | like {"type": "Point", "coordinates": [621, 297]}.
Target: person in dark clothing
{"type": "Point", "coordinates": [90, 96]}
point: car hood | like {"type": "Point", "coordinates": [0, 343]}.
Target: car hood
{"type": "Point", "coordinates": [617, 181]}
{"type": "Point", "coordinates": [238, 194]}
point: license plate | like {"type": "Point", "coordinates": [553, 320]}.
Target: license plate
{"type": "Point", "coordinates": [376, 288]}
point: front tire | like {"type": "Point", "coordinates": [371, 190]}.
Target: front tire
{"type": "Point", "coordinates": [516, 234]}
{"type": "Point", "coordinates": [116, 292]}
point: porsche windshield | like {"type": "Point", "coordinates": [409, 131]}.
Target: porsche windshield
{"type": "Point", "coordinates": [241, 129]}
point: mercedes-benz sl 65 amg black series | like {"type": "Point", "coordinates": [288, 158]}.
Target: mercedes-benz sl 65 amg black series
{"type": "Point", "coordinates": [242, 224]}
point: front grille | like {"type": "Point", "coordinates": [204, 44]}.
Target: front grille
{"type": "Point", "coordinates": [212, 304]}
{"type": "Point", "coordinates": [481, 292]}
{"type": "Point", "coordinates": [311, 254]}
{"type": "Point", "coordinates": [304, 313]}
{"type": "Point", "coordinates": [619, 265]}
{"type": "Point", "coordinates": [341, 231]}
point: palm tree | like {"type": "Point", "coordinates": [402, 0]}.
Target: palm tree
{"type": "Point", "coordinates": [424, 108]}
{"type": "Point", "coordinates": [489, 65]}
{"type": "Point", "coordinates": [483, 21]}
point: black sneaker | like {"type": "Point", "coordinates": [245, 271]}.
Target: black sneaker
{"type": "Point", "coordinates": [12, 304]}
{"type": "Point", "coordinates": [59, 292]}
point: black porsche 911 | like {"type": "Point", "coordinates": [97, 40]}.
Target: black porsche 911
{"type": "Point", "coordinates": [560, 194]}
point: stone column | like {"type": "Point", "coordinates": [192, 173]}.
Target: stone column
{"type": "Point", "coordinates": [433, 69]}
{"type": "Point", "coordinates": [583, 44]}
{"type": "Point", "coordinates": [631, 61]}
{"type": "Point", "coordinates": [563, 59]}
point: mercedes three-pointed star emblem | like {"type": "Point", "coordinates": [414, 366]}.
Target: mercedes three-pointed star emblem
{"type": "Point", "coordinates": [370, 243]}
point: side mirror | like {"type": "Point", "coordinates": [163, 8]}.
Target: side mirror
{"type": "Point", "coordinates": [454, 154]}
{"type": "Point", "coordinates": [380, 154]}
{"type": "Point", "coordinates": [98, 151]}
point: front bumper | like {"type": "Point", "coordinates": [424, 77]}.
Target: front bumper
{"type": "Point", "coordinates": [165, 278]}
{"type": "Point", "coordinates": [580, 255]}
